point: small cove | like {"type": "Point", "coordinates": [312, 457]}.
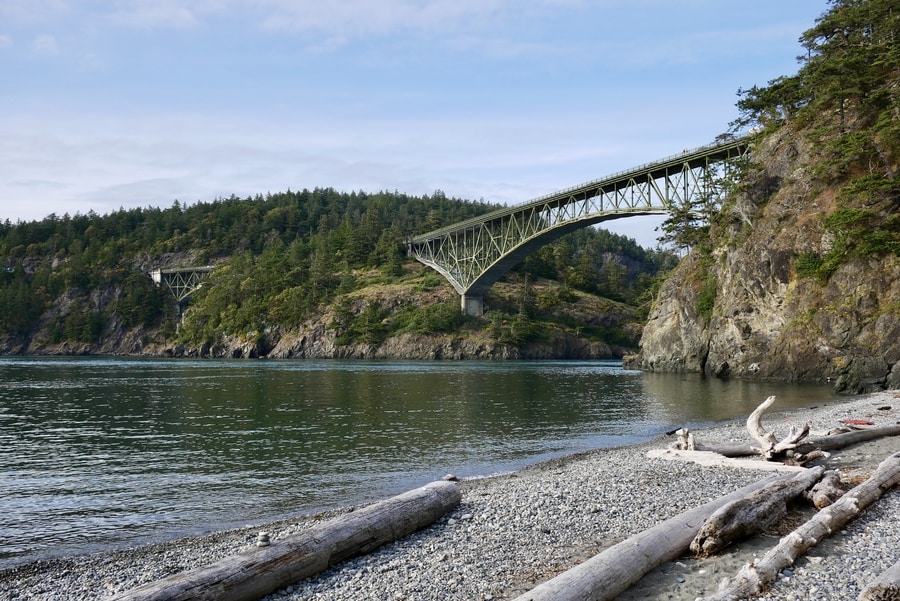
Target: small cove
{"type": "Point", "coordinates": [100, 453]}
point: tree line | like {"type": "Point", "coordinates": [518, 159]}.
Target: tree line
{"type": "Point", "coordinates": [279, 259]}
{"type": "Point", "coordinates": [845, 101]}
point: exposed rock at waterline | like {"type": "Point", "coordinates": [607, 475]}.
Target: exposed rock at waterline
{"type": "Point", "coordinates": [766, 321]}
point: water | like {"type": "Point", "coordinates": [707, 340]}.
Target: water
{"type": "Point", "coordinates": [107, 453]}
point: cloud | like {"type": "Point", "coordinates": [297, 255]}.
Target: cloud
{"type": "Point", "coordinates": [5, 41]}
{"type": "Point", "coordinates": [32, 11]}
{"type": "Point", "coordinates": [44, 44]}
{"type": "Point", "coordinates": [165, 13]}
{"type": "Point", "coordinates": [362, 17]}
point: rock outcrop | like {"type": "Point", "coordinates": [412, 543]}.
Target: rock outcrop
{"type": "Point", "coordinates": [319, 337]}
{"type": "Point", "coordinates": [767, 321]}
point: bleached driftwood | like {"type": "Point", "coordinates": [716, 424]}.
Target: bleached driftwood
{"type": "Point", "coordinates": [755, 576]}
{"type": "Point", "coordinates": [613, 571]}
{"type": "Point", "coordinates": [830, 442]}
{"type": "Point", "coordinates": [885, 588]}
{"type": "Point", "coordinates": [751, 514]}
{"type": "Point", "coordinates": [259, 571]}
{"type": "Point", "coordinates": [797, 448]}
{"type": "Point", "coordinates": [713, 459]}
{"type": "Point", "coordinates": [685, 441]}
{"type": "Point", "coordinates": [769, 445]}
{"type": "Point", "coordinates": [827, 490]}
{"type": "Point", "coordinates": [839, 441]}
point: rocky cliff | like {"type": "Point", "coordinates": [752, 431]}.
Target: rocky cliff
{"type": "Point", "coordinates": [320, 337]}
{"type": "Point", "coordinates": [748, 307]}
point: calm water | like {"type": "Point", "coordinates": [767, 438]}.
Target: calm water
{"type": "Point", "coordinates": [100, 453]}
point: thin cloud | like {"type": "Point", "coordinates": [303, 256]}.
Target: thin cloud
{"type": "Point", "coordinates": [364, 17]}
{"type": "Point", "coordinates": [32, 11]}
{"type": "Point", "coordinates": [156, 13]}
{"type": "Point", "coordinates": [5, 41]}
{"type": "Point", "coordinates": [44, 45]}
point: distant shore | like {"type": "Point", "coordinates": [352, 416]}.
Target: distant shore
{"type": "Point", "coordinates": [511, 532]}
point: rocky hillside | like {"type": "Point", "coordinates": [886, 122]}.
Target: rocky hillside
{"type": "Point", "coordinates": [767, 320]}
{"type": "Point", "coordinates": [309, 274]}
{"type": "Point", "coordinates": [799, 276]}
{"type": "Point", "coordinates": [416, 317]}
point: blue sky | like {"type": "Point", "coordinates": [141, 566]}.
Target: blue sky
{"type": "Point", "coordinates": [124, 103]}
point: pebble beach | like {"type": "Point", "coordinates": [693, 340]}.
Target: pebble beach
{"type": "Point", "coordinates": [513, 531]}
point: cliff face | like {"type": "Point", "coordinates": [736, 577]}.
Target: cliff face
{"type": "Point", "coordinates": [768, 321]}
{"type": "Point", "coordinates": [319, 338]}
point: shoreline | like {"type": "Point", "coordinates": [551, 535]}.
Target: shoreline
{"type": "Point", "coordinates": [514, 530]}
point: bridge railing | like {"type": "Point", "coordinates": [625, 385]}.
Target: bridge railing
{"type": "Point", "coordinates": [725, 148]}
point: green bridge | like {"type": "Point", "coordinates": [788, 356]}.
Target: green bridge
{"type": "Point", "coordinates": [182, 282]}
{"type": "Point", "coordinates": [475, 253]}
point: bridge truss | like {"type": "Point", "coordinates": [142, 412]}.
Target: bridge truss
{"type": "Point", "coordinates": [475, 253]}
{"type": "Point", "coordinates": [182, 282]}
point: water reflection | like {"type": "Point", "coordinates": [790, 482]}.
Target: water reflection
{"type": "Point", "coordinates": [109, 452]}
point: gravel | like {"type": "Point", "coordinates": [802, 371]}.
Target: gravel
{"type": "Point", "coordinates": [513, 531]}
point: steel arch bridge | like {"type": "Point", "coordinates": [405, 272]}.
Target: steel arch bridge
{"type": "Point", "coordinates": [182, 282]}
{"type": "Point", "coordinates": [475, 253]}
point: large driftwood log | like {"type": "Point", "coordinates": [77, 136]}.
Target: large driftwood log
{"type": "Point", "coordinates": [830, 442]}
{"type": "Point", "coordinates": [613, 571]}
{"type": "Point", "coordinates": [752, 514]}
{"type": "Point", "coordinates": [885, 588]}
{"type": "Point", "coordinates": [827, 490]}
{"type": "Point", "coordinates": [712, 459]}
{"type": "Point", "coordinates": [685, 441]}
{"type": "Point", "coordinates": [839, 441]}
{"type": "Point", "coordinates": [793, 447]}
{"type": "Point", "coordinates": [259, 571]}
{"type": "Point", "coordinates": [755, 576]}
{"type": "Point", "coordinates": [770, 446]}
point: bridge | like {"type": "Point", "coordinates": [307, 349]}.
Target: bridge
{"type": "Point", "coordinates": [181, 281]}
{"type": "Point", "coordinates": [475, 253]}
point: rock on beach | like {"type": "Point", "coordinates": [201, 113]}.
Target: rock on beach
{"type": "Point", "coordinates": [513, 531]}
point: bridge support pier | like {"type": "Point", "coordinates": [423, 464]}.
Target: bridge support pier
{"type": "Point", "coordinates": [472, 304]}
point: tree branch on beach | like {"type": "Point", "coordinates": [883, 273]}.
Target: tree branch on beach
{"type": "Point", "coordinates": [752, 514]}
{"type": "Point", "coordinates": [769, 445]}
{"type": "Point", "coordinates": [615, 570]}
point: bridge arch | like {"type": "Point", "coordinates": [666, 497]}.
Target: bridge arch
{"type": "Point", "coordinates": [182, 282]}
{"type": "Point", "coordinates": [475, 253]}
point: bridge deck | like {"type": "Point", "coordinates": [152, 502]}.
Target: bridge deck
{"type": "Point", "coordinates": [474, 253]}
{"type": "Point", "coordinates": [693, 158]}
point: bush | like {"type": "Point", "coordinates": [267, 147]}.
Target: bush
{"type": "Point", "coordinates": [808, 265]}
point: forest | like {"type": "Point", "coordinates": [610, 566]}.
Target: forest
{"type": "Point", "coordinates": [282, 259]}
{"type": "Point", "coordinates": [279, 260]}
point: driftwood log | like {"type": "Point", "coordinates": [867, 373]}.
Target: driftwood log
{"type": "Point", "coordinates": [797, 448]}
{"type": "Point", "coordinates": [259, 571]}
{"type": "Point", "coordinates": [845, 439]}
{"type": "Point", "coordinates": [827, 490]}
{"type": "Point", "coordinates": [885, 588]}
{"type": "Point", "coordinates": [685, 441]}
{"type": "Point", "coordinates": [751, 514]}
{"type": "Point", "coordinates": [769, 445]}
{"type": "Point", "coordinates": [613, 571]}
{"type": "Point", "coordinates": [713, 459]}
{"type": "Point", "coordinates": [831, 442]}
{"type": "Point", "coordinates": [755, 576]}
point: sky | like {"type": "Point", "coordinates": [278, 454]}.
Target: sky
{"type": "Point", "coordinates": [108, 104]}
